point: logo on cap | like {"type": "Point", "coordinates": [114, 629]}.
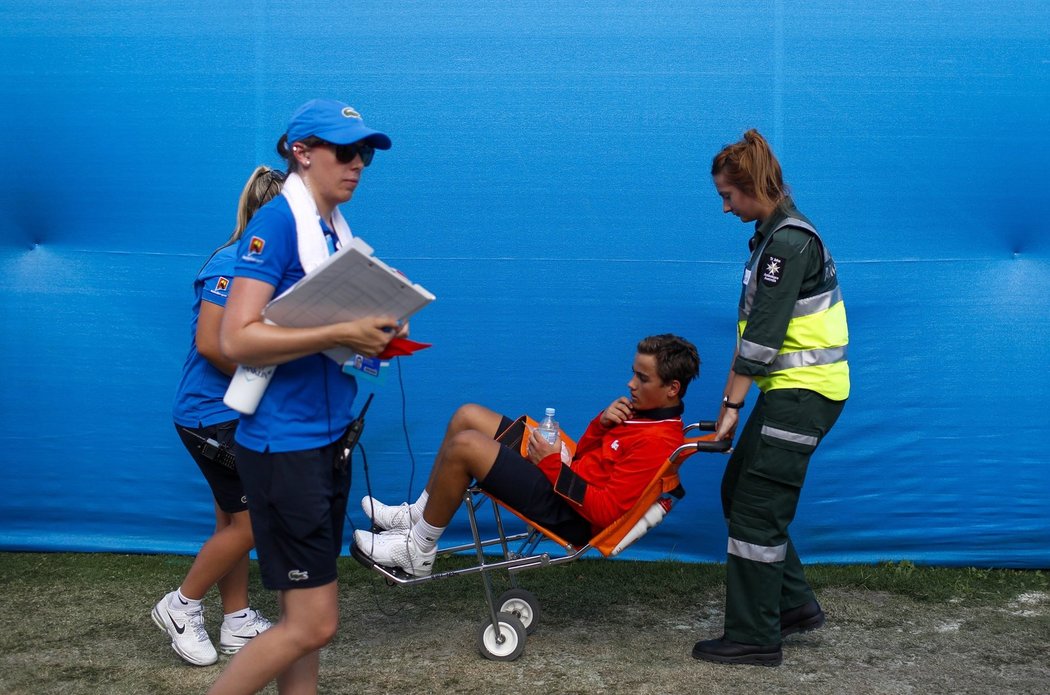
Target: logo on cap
{"type": "Point", "coordinates": [350, 113]}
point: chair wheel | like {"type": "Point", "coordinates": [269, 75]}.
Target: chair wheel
{"type": "Point", "coordinates": [523, 604]}
{"type": "Point", "coordinates": [508, 645]}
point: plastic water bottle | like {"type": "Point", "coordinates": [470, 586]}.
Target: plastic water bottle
{"type": "Point", "coordinates": [247, 387]}
{"type": "Point", "coordinates": [549, 427]}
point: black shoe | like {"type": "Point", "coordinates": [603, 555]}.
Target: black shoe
{"type": "Point", "coordinates": [723, 651]}
{"type": "Point", "coordinates": [806, 617]}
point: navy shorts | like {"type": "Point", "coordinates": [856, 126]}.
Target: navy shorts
{"type": "Point", "coordinates": [225, 484]}
{"type": "Point", "coordinates": [297, 504]}
{"type": "Point", "coordinates": [520, 484]}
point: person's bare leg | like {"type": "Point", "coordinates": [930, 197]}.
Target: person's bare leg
{"type": "Point", "coordinates": [468, 417]}
{"type": "Point", "coordinates": [481, 424]}
{"type": "Point", "coordinates": [220, 555]}
{"type": "Point", "coordinates": [465, 457]}
{"type": "Point", "coordinates": [301, 677]}
{"type": "Point", "coordinates": [288, 650]}
{"type": "Point", "coordinates": [233, 588]}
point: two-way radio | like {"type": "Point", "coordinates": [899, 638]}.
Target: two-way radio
{"type": "Point", "coordinates": [212, 450]}
{"type": "Point", "coordinates": [353, 432]}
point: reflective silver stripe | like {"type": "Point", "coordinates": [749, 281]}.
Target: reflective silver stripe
{"type": "Point", "coordinates": [808, 358]}
{"type": "Point", "coordinates": [794, 222]}
{"type": "Point", "coordinates": [749, 297]}
{"type": "Point", "coordinates": [756, 353]}
{"type": "Point", "coordinates": [793, 437]}
{"type": "Point", "coordinates": [817, 303]}
{"type": "Point", "coordinates": [758, 553]}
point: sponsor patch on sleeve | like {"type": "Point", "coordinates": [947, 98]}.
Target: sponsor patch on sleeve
{"type": "Point", "coordinates": [255, 249]}
{"type": "Point", "coordinates": [772, 269]}
{"type": "Point", "coordinates": [221, 287]}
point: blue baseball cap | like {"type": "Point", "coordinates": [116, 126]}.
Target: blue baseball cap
{"type": "Point", "coordinates": [335, 122]}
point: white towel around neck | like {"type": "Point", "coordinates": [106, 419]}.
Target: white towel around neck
{"type": "Point", "coordinates": [313, 248]}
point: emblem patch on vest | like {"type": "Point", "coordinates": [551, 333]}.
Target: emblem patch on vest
{"type": "Point", "coordinates": [772, 269]}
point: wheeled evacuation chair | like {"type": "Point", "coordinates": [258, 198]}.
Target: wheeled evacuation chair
{"type": "Point", "coordinates": [515, 613]}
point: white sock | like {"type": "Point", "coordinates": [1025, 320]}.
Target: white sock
{"type": "Point", "coordinates": [179, 602]}
{"type": "Point", "coordinates": [425, 535]}
{"type": "Point", "coordinates": [419, 505]}
{"type": "Point", "coordinates": [238, 618]}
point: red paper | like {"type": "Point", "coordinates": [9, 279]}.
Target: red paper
{"type": "Point", "coordinates": [398, 347]}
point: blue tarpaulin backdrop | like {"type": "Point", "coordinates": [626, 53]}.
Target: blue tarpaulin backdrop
{"type": "Point", "coordinates": [549, 183]}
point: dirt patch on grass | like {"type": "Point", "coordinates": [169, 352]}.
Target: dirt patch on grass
{"type": "Point", "coordinates": [873, 643]}
{"type": "Point", "coordinates": [70, 625]}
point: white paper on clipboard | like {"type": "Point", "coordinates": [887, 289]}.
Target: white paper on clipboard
{"type": "Point", "coordinates": [348, 285]}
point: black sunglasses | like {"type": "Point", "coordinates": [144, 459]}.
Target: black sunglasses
{"type": "Point", "coordinates": [276, 180]}
{"type": "Point", "coordinates": [346, 153]}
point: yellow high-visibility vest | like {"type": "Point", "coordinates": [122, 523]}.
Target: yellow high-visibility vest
{"type": "Point", "coordinates": [813, 354]}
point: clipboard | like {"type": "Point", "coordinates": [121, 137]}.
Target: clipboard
{"type": "Point", "coordinates": [350, 284]}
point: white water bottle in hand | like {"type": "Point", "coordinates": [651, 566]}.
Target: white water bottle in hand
{"type": "Point", "coordinates": [548, 427]}
{"type": "Point", "coordinates": [247, 387]}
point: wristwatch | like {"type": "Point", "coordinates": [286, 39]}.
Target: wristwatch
{"type": "Point", "coordinates": [727, 404]}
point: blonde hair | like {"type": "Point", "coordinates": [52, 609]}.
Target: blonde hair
{"type": "Point", "coordinates": [263, 186]}
{"type": "Point", "coordinates": [751, 166]}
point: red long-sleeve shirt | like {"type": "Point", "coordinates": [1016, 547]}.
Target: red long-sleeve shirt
{"type": "Point", "coordinates": [613, 465]}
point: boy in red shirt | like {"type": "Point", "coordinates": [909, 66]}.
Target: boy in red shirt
{"type": "Point", "coordinates": [615, 459]}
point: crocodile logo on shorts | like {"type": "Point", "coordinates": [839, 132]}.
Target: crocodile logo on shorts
{"type": "Point", "coordinates": [298, 575]}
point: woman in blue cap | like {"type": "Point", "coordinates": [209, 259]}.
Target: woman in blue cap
{"type": "Point", "coordinates": [291, 451]}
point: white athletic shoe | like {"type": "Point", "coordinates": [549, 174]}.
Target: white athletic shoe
{"type": "Point", "coordinates": [189, 639]}
{"type": "Point", "coordinates": [231, 641]}
{"type": "Point", "coordinates": [396, 549]}
{"type": "Point", "coordinates": [387, 516]}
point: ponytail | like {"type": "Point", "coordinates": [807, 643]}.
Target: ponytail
{"type": "Point", "coordinates": [262, 186]}
{"type": "Point", "coordinates": [751, 166]}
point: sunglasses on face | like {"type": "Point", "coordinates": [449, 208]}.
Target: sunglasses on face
{"type": "Point", "coordinates": [346, 153]}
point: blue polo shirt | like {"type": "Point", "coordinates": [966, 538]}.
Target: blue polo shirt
{"type": "Point", "coordinates": [198, 399]}
{"type": "Point", "coordinates": [307, 404]}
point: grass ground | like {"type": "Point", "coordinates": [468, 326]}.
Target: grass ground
{"type": "Point", "coordinates": [79, 623]}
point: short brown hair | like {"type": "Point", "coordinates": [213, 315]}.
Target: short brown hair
{"type": "Point", "coordinates": [676, 358]}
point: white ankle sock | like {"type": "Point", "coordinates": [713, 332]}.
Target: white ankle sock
{"type": "Point", "coordinates": [179, 602]}
{"type": "Point", "coordinates": [425, 535]}
{"type": "Point", "coordinates": [419, 505]}
{"type": "Point", "coordinates": [238, 618]}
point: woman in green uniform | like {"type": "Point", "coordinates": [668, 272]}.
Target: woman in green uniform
{"type": "Point", "coordinates": [791, 342]}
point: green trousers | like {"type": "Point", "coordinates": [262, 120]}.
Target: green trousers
{"type": "Point", "coordinates": [760, 491]}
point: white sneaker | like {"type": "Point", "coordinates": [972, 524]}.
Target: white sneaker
{"type": "Point", "coordinates": [231, 641]}
{"type": "Point", "coordinates": [396, 549]}
{"type": "Point", "coordinates": [387, 516]}
{"type": "Point", "coordinates": [189, 639]}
